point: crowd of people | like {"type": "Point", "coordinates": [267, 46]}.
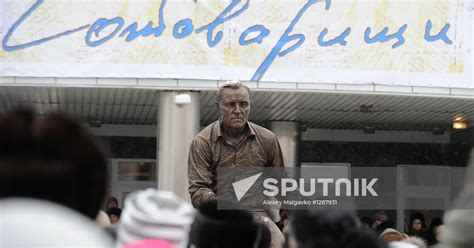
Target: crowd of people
{"type": "Point", "coordinates": [52, 187]}
{"type": "Point", "coordinates": [416, 231]}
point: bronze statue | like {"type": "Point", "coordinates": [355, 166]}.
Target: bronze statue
{"type": "Point", "coordinates": [232, 141]}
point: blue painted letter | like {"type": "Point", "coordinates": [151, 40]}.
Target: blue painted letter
{"type": "Point", "coordinates": [183, 28]}
{"type": "Point", "coordinates": [285, 39]}
{"type": "Point", "coordinates": [383, 37]}
{"type": "Point", "coordinates": [341, 39]}
{"type": "Point", "coordinates": [8, 48]}
{"type": "Point", "coordinates": [148, 29]}
{"type": "Point", "coordinates": [263, 32]}
{"type": "Point", "coordinates": [440, 36]}
{"type": "Point", "coordinates": [98, 26]}
{"type": "Point", "coordinates": [212, 41]}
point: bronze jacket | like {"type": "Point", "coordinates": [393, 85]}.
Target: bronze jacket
{"type": "Point", "coordinates": [209, 150]}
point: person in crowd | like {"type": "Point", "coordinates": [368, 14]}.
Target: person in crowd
{"type": "Point", "coordinates": [417, 225]}
{"type": "Point", "coordinates": [366, 223]}
{"type": "Point", "coordinates": [34, 223]}
{"type": "Point", "coordinates": [111, 202]}
{"type": "Point", "coordinates": [379, 218]}
{"type": "Point", "coordinates": [384, 225]}
{"type": "Point", "coordinates": [284, 222]}
{"type": "Point", "coordinates": [390, 235]}
{"type": "Point", "coordinates": [439, 233]}
{"type": "Point", "coordinates": [52, 159]}
{"type": "Point", "coordinates": [232, 141]}
{"type": "Point", "coordinates": [154, 216]}
{"type": "Point", "coordinates": [431, 231]}
{"type": "Point", "coordinates": [459, 221]}
{"type": "Point", "coordinates": [114, 215]}
{"type": "Point", "coordinates": [330, 228]}
{"type": "Point", "coordinates": [234, 227]}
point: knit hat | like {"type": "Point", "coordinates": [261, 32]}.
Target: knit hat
{"type": "Point", "coordinates": [154, 214]}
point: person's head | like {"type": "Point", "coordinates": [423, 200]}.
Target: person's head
{"type": "Point", "coordinates": [233, 104]}
{"type": "Point", "coordinates": [28, 222]}
{"type": "Point", "coordinates": [417, 222]}
{"type": "Point", "coordinates": [330, 228]}
{"type": "Point", "coordinates": [155, 215]}
{"type": "Point", "coordinates": [439, 232]}
{"type": "Point", "coordinates": [366, 223]}
{"type": "Point", "coordinates": [231, 228]}
{"type": "Point", "coordinates": [51, 158]}
{"type": "Point", "coordinates": [112, 202]}
{"type": "Point", "coordinates": [384, 225]}
{"type": "Point", "coordinates": [379, 218]}
{"type": "Point", "coordinates": [435, 223]}
{"type": "Point", "coordinates": [114, 215]}
{"type": "Point", "coordinates": [285, 221]}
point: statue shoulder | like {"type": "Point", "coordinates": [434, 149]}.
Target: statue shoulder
{"type": "Point", "coordinates": [208, 132]}
{"type": "Point", "coordinates": [262, 132]}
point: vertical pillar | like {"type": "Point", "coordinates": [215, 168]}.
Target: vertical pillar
{"type": "Point", "coordinates": [178, 123]}
{"type": "Point", "coordinates": [289, 136]}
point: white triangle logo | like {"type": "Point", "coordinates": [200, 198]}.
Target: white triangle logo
{"type": "Point", "coordinates": [242, 186]}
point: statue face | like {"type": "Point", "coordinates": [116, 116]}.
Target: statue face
{"type": "Point", "coordinates": [234, 107]}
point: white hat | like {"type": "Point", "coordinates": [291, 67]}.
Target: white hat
{"type": "Point", "coordinates": [154, 214]}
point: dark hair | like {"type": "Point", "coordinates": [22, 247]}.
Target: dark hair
{"type": "Point", "coordinates": [384, 225]}
{"type": "Point", "coordinates": [437, 221]}
{"type": "Point", "coordinates": [330, 229]}
{"type": "Point", "coordinates": [114, 211]}
{"type": "Point", "coordinates": [367, 220]}
{"type": "Point", "coordinates": [215, 228]}
{"type": "Point", "coordinates": [229, 85]}
{"type": "Point", "coordinates": [111, 199]}
{"type": "Point", "coordinates": [417, 216]}
{"type": "Point", "coordinates": [53, 158]}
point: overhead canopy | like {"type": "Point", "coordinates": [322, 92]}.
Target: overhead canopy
{"type": "Point", "coordinates": [315, 110]}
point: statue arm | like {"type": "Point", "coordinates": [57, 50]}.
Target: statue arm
{"type": "Point", "coordinates": [275, 156]}
{"type": "Point", "coordinates": [200, 171]}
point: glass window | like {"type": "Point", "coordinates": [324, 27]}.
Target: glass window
{"type": "Point", "coordinates": [136, 171]}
